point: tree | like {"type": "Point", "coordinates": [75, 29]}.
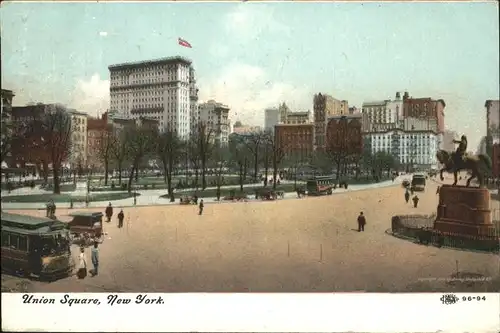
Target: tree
{"type": "Point", "coordinates": [254, 144]}
{"type": "Point", "coordinates": [119, 151]}
{"type": "Point", "coordinates": [56, 139]}
{"type": "Point", "coordinates": [221, 158]}
{"type": "Point", "coordinates": [240, 156]}
{"type": "Point", "coordinates": [139, 140]}
{"type": "Point", "coordinates": [277, 150]}
{"type": "Point", "coordinates": [204, 139]}
{"type": "Point", "coordinates": [6, 138]}
{"type": "Point", "coordinates": [169, 150]}
{"type": "Point", "coordinates": [105, 147]}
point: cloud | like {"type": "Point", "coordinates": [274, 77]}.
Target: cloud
{"type": "Point", "coordinates": [248, 90]}
{"type": "Point", "coordinates": [91, 96]}
{"type": "Point", "coordinates": [249, 21]}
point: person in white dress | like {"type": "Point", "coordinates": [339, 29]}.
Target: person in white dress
{"type": "Point", "coordinates": [82, 264]}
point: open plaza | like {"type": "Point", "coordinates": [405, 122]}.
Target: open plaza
{"type": "Point", "coordinates": [297, 245]}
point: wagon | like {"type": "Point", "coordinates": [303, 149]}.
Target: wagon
{"type": "Point", "coordinates": [85, 227]}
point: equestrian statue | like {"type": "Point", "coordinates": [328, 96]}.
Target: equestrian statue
{"type": "Point", "coordinates": [459, 160]}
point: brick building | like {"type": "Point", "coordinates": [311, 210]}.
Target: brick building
{"type": "Point", "coordinates": [425, 108]}
{"type": "Point", "coordinates": [295, 140]}
{"type": "Point", "coordinates": [344, 135]}
{"type": "Point", "coordinates": [324, 106]}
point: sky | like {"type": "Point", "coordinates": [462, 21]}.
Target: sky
{"type": "Point", "coordinates": [251, 56]}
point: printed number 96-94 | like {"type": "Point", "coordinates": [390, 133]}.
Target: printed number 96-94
{"type": "Point", "coordinates": [472, 298]}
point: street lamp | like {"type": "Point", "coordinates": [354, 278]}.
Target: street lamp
{"type": "Point", "coordinates": [413, 143]}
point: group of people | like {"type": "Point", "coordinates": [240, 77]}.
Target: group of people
{"type": "Point", "coordinates": [82, 261]}
{"type": "Point", "coordinates": [415, 198]}
{"type": "Point", "coordinates": [50, 209]}
{"type": "Point", "coordinates": [109, 214]}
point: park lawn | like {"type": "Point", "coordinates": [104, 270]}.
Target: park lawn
{"type": "Point", "coordinates": [35, 198]}
{"type": "Point", "coordinates": [212, 192]}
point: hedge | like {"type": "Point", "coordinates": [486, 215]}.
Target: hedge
{"type": "Point", "coordinates": [36, 198]}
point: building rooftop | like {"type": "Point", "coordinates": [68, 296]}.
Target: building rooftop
{"type": "Point", "coordinates": [79, 113]}
{"type": "Point", "coordinates": [167, 60]}
{"type": "Point", "coordinates": [7, 92]}
{"type": "Point", "coordinates": [370, 103]}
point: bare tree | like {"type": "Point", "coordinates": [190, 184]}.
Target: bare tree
{"type": "Point", "coordinates": [277, 151]}
{"type": "Point", "coordinates": [139, 140]}
{"type": "Point", "coordinates": [240, 156]}
{"type": "Point", "coordinates": [254, 144]}
{"type": "Point", "coordinates": [169, 150]}
{"type": "Point", "coordinates": [119, 151]}
{"type": "Point", "coordinates": [204, 138]}
{"type": "Point", "coordinates": [105, 147]}
{"type": "Point", "coordinates": [56, 139]}
{"type": "Point", "coordinates": [221, 159]}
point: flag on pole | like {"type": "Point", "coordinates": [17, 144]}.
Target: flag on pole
{"type": "Point", "coordinates": [184, 43]}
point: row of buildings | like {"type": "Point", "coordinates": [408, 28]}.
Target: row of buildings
{"type": "Point", "coordinates": [410, 129]}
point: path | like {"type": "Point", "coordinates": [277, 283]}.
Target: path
{"type": "Point", "coordinates": [153, 197]}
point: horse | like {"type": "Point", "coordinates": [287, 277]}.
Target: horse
{"type": "Point", "coordinates": [476, 164]}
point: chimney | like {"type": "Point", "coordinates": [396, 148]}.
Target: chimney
{"type": "Point", "coordinates": [406, 95]}
{"type": "Point", "coordinates": [398, 96]}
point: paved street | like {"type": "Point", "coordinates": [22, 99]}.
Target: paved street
{"type": "Point", "coordinates": [290, 245]}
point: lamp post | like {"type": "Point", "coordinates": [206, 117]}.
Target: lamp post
{"type": "Point", "coordinates": [413, 143]}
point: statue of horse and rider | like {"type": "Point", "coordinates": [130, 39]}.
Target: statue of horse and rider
{"type": "Point", "coordinates": [459, 160]}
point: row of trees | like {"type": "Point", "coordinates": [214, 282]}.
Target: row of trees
{"type": "Point", "coordinates": [44, 140]}
{"type": "Point", "coordinates": [47, 139]}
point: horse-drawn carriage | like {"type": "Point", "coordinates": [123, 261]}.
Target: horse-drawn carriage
{"type": "Point", "coordinates": [85, 227]}
{"type": "Point", "coordinates": [233, 196]}
{"type": "Point", "coordinates": [188, 200]}
{"type": "Point", "coordinates": [269, 194]}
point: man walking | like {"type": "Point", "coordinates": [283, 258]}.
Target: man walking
{"type": "Point", "coordinates": [109, 212]}
{"type": "Point", "coordinates": [201, 207]}
{"type": "Point", "coordinates": [415, 201]}
{"type": "Point", "coordinates": [361, 222]}
{"type": "Point", "coordinates": [121, 216]}
{"type": "Point", "coordinates": [407, 196]}
{"type": "Point", "coordinates": [95, 259]}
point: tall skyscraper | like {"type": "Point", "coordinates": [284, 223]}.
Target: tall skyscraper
{"type": "Point", "coordinates": [161, 89]}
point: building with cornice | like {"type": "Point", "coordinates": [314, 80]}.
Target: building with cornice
{"type": "Point", "coordinates": [161, 89]}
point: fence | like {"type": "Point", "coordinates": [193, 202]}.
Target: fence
{"type": "Point", "coordinates": [420, 229]}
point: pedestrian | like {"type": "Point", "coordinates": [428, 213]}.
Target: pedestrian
{"type": "Point", "coordinates": [82, 264]}
{"type": "Point", "coordinates": [95, 259]}
{"type": "Point", "coordinates": [48, 209]}
{"type": "Point", "coordinates": [109, 212]}
{"type": "Point", "coordinates": [415, 201]}
{"type": "Point", "coordinates": [201, 207]}
{"type": "Point", "coordinates": [361, 222]}
{"type": "Point", "coordinates": [71, 203]}
{"type": "Point", "coordinates": [407, 196]}
{"type": "Point", "coordinates": [53, 210]}
{"type": "Point", "coordinates": [121, 216]}
{"type": "Point", "coordinates": [135, 198]}
{"type": "Point", "coordinates": [217, 194]}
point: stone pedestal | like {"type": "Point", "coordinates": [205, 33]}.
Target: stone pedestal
{"type": "Point", "coordinates": [464, 210]}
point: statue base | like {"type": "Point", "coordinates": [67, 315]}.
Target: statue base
{"type": "Point", "coordinates": [464, 211]}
